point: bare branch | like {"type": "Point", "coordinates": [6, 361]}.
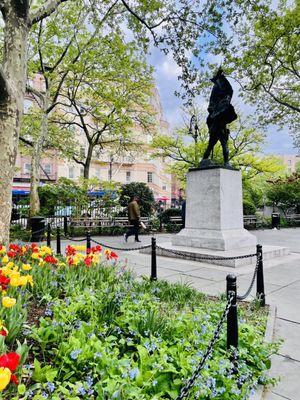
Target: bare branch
{"type": "Point", "coordinates": [78, 161]}
{"type": "Point", "coordinates": [44, 11]}
{"type": "Point", "coordinates": [28, 142]}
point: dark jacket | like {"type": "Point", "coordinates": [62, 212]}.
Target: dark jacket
{"type": "Point", "coordinates": [133, 211]}
{"type": "Point", "coordinates": [220, 98]}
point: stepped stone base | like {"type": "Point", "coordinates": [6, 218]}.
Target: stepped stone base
{"type": "Point", "coordinates": [196, 254]}
{"type": "Point", "coordinates": [226, 239]}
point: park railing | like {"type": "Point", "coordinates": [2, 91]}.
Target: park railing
{"type": "Point", "coordinates": [229, 314]}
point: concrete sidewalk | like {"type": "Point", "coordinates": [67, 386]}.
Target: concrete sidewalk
{"type": "Point", "coordinates": [282, 287]}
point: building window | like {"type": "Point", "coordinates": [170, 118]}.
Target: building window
{"type": "Point", "coordinates": [97, 173]}
{"type": "Point", "coordinates": [71, 172]}
{"type": "Point", "coordinates": [27, 105]}
{"type": "Point", "coordinates": [27, 168]}
{"type": "Point", "coordinates": [47, 169]}
{"type": "Point", "coordinates": [128, 176]}
{"type": "Point", "coordinates": [289, 162]}
{"type": "Point", "coordinates": [81, 171]}
{"type": "Point", "coordinates": [82, 151]}
{"type": "Point", "coordinates": [149, 177]}
{"type": "Point", "coordinates": [164, 187]}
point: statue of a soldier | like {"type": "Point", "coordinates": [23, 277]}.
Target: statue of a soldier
{"type": "Point", "coordinates": [220, 113]}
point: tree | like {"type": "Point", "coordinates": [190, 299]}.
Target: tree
{"type": "Point", "coordinates": [141, 190]}
{"type": "Point", "coordinates": [108, 96]}
{"type": "Point", "coordinates": [180, 27]}
{"type": "Point", "coordinates": [244, 149]}
{"type": "Point", "coordinates": [18, 19]}
{"type": "Point", "coordinates": [38, 138]}
{"type": "Point", "coordinates": [264, 59]}
{"type": "Point", "coordinates": [285, 192]}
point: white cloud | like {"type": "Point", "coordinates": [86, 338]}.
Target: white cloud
{"type": "Point", "coordinates": [169, 68]}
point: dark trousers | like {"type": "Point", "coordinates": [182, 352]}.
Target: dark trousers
{"type": "Point", "coordinates": [134, 229]}
{"type": "Point", "coordinates": [217, 131]}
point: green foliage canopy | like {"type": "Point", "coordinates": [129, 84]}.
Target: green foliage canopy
{"type": "Point", "coordinates": [141, 190]}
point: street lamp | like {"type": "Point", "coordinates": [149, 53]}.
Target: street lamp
{"type": "Point", "coordinates": [111, 160]}
{"type": "Point", "coordinates": [194, 130]}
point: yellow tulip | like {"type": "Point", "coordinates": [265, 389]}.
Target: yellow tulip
{"type": "Point", "coordinates": [46, 250]}
{"type": "Point", "coordinates": [5, 376]}
{"type": "Point", "coordinates": [26, 267]}
{"type": "Point", "coordinates": [35, 256]}
{"type": "Point", "coordinates": [8, 302]}
{"type": "Point", "coordinates": [15, 281]}
{"type": "Point", "coordinates": [29, 279]}
{"type": "Point", "coordinates": [76, 259]}
{"type": "Point", "coordinates": [80, 247]}
{"type": "Point", "coordinates": [2, 249]}
{"type": "Point", "coordinates": [62, 264]}
{"type": "Point", "coordinates": [5, 259]}
{"type": "Point", "coordinates": [5, 271]}
{"type": "Point", "coordinates": [10, 264]}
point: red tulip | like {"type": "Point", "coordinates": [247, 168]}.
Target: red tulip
{"type": "Point", "coordinates": [10, 361]}
{"type": "Point", "coordinates": [14, 379]}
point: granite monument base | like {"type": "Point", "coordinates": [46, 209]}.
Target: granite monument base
{"type": "Point", "coordinates": [214, 211]}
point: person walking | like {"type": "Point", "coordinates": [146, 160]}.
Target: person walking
{"type": "Point", "coordinates": [134, 219]}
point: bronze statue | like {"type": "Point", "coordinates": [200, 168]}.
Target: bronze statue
{"type": "Point", "coordinates": [220, 113]}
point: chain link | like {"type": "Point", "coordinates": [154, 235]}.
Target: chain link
{"type": "Point", "coordinates": [191, 382]}
{"type": "Point", "coordinates": [73, 239]}
{"type": "Point", "coordinates": [121, 248]}
{"type": "Point", "coordinates": [39, 231]}
{"type": "Point", "coordinates": [179, 253]}
{"type": "Point", "coordinates": [245, 295]}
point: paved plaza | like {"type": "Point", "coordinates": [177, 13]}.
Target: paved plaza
{"type": "Point", "coordinates": [282, 287]}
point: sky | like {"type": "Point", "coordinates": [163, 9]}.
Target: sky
{"type": "Point", "coordinates": [166, 76]}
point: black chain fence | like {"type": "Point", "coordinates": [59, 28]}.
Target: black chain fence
{"type": "Point", "coordinates": [248, 291]}
{"type": "Point", "coordinates": [121, 248]}
{"type": "Point", "coordinates": [230, 311]}
{"type": "Point", "coordinates": [216, 258]}
{"type": "Point", "coordinates": [208, 353]}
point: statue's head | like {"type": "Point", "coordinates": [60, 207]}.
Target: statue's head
{"type": "Point", "coordinates": [217, 75]}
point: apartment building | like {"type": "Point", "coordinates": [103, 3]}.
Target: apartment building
{"type": "Point", "coordinates": [124, 168]}
{"type": "Point", "coordinates": [290, 161]}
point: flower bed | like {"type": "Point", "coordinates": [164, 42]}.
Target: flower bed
{"type": "Point", "coordinates": [81, 327]}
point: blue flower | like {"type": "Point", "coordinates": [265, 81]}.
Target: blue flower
{"type": "Point", "coordinates": [50, 387]}
{"type": "Point", "coordinates": [81, 390]}
{"type": "Point", "coordinates": [89, 381]}
{"type": "Point", "coordinates": [44, 395]}
{"type": "Point", "coordinates": [133, 373]}
{"type": "Point", "coordinates": [48, 312]}
{"type": "Point", "coordinates": [75, 353]}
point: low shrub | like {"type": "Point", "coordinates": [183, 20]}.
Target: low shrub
{"type": "Point", "coordinates": [97, 333]}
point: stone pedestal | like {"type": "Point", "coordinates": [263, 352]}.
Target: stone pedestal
{"type": "Point", "coordinates": [214, 211]}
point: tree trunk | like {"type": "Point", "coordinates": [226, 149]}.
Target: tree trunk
{"type": "Point", "coordinates": [11, 109]}
{"type": "Point", "coordinates": [88, 160]}
{"type": "Point", "coordinates": [36, 158]}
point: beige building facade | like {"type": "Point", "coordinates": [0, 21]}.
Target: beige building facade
{"type": "Point", "coordinates": [138, 166]}
{"type": "Point", "coordinates": [290, 161]}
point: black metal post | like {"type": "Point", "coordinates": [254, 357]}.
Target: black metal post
{"type": "Point", "coordinates": [58, 243]}
{"type": "Point", "coordinates": [65, 226]}
{"type": "Point", "coordinates": [49, 235]}
{"type": "Point", "coordinates": [260, 286]}
{"type": "Point", "coordinates": [88, 239]}
{"type": "Point", "coordinates": [232, 319]}
{"type": "Point", "coordinates": [160, 223]}
{"type": "Point", "coordinates": [153, 260]}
